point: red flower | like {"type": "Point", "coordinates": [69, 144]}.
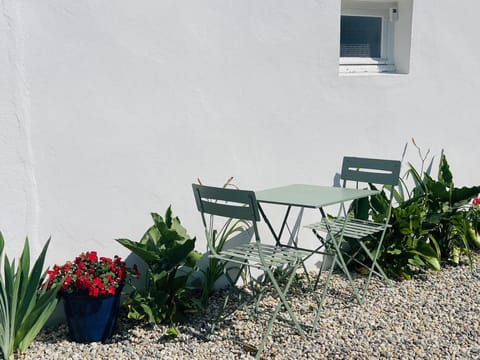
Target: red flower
{"type": "Point", "coordinates": [89, 274]}
{"type": "Point", "coordinates": [66, 282]}
{"type": "Point", "coordinates": [93, 292]}
{"type": "Point", "coordinates": [91, 256]}
{"type": "Point", "coordinates": [476, 201]}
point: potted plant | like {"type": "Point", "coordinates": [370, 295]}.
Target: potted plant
{"type": "Point", "coordinates": [90, 287]}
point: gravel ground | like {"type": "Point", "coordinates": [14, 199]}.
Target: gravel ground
{"type": "Point", "coordinates": [435, 316]}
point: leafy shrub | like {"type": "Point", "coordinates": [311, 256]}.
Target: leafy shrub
{"type": "Point", "coordinates": [428, 224]}
{"type": "Point", "coordinates": [168, 251]}
{"type": "Point", "coordinates": [25, 306]}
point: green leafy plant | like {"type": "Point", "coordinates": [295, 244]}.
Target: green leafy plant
{"type": "Point", "coordinates": [439, 232]}
{"type": "Point", "coordinates": [25, 305]}
{"type": "Point", "coordinates": [215, 268]}
{"type": "Point", "coordinates": [428, 224]}
{"type": "Point", "coordinates": [168, 251]}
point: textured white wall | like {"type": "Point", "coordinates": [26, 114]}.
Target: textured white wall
{"type": "Point", "coordinates": [18, 189]}
{"type": "Point", "coordinates": [110, 110]}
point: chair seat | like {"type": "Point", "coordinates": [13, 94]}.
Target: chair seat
{"type": "Point", "coordinates": [354, 228]}
{"type": "Point", "coordinates": [274, 256]}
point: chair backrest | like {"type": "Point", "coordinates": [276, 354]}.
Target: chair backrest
{"type": "Point", "coordinates": [230, 203]}
{"type": "Point", "coordinates": [375, 171]}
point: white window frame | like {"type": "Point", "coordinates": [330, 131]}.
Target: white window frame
{"type": "Point", "coordinates": [385, 63]}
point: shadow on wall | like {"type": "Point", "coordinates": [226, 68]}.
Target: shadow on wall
{"type": "Point", "coordinates": [241, 238]}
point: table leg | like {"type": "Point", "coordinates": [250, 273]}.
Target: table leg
{"type": "Point", "coordinates": [272, 230]}
{"type": "Point", "coordinates": [293, 240]}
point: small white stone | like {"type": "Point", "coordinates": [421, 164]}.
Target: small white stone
{"type": "Point", "coordinates": [434, 316]}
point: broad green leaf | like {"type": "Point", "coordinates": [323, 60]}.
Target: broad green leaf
{"type": "Point", "coordinates": [29, 291]}
{"type": "Point", "coordinates": [427, 253]}
{"type": "Point", "coordinates": [463, 195]}
{"type": "Point", "coordinates": [394, 251]}
{"type": "Point", "coordinates": [192, 258]}
{"type": "Point", "coordinates": [168, 217]}
{"type": "Point", "coordinates": [361, 208]}
{"type": "Point", "coordinates": [173, 331]}
{"type": "Point", "coordinates": [2, 244]}
{"type": "Point", "coordinates": [140, 250]}
{"type": "Point", "coordinates": [416, 261]}
{"type": "Point", "coordinates": [444, 174]}
{"type": "Point", "coordinates": [36, 319]}
{"type": "Point", "coordinates": [417, 180]}
{"type": "Point", "coordinates": [435, 245]}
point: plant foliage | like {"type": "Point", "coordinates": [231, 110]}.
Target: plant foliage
{"type": "Point", "coordinates": [168, 251]}
{"type": "Point", "coordinates": [473, 216]}
{"type": "Point", "coordinates": [429, 226]}
{"type": "Point", "coordinates": [25, 306]}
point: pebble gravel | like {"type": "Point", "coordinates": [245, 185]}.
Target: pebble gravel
{"type": "Point", "coordinates": [434, 316]}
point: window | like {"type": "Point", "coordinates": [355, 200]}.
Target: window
{"type": "Point", "coordinates": [372, 37]}
{"type": "Point", "coordinates": [360, 36]}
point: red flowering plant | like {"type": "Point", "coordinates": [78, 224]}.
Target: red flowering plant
{"type": "Point", "coordinates": [473, 233]}
{"type": "Point", "coordinates": [476, 202]}
{"type": "Point", "coordinates": [91, 275]}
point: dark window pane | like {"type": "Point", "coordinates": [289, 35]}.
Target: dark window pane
{"type": "Point", "coordinates": [360, 36]}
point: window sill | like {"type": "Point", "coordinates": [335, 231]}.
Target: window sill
{"type": "Point", "coordinates": [367, 69]}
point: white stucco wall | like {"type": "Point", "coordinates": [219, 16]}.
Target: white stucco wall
{"type": "Point", "coordinates": [110, 110]}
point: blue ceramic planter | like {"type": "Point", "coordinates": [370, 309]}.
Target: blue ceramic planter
{"type": "Point", "coordinates": [91, 319]}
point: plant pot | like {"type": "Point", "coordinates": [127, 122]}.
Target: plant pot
{"type": "Point", "coordinates": [91, 319]}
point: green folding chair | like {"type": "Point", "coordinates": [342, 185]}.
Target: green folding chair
{"type": "Point", "coordinates": [354, 230]}
{"type": "Point", "coordinates": [272, 260]}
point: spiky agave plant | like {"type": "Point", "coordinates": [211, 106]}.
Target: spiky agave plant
{"type": "Point", "coordinates": [25, 305]}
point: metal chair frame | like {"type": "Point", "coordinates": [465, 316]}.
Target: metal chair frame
{"type": "Point", "coordinates": [368, 171]}
{"type": "Point", "coordinates": [242, 205]}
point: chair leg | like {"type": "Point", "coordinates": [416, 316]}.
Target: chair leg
{"type": "Point", "coordinates": [341, 263]}
{"type": "Point", "coordinates": [372, 267]}
{"type": "Point", "coordinates": [324, 293]}
{"type": "Point", "coordinates": [375, 264]}
{"type": "Point", "coordinates": [221, 313]}
{"type": "Point", "coordinates": [323, 245]}
{"type": "Point", "coordinates": [283, 302]}
{"type": "Point", "coordinates": [319, 274]}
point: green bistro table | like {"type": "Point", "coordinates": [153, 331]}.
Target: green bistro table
{"type": "Point", "coordinates": [311, 197]}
